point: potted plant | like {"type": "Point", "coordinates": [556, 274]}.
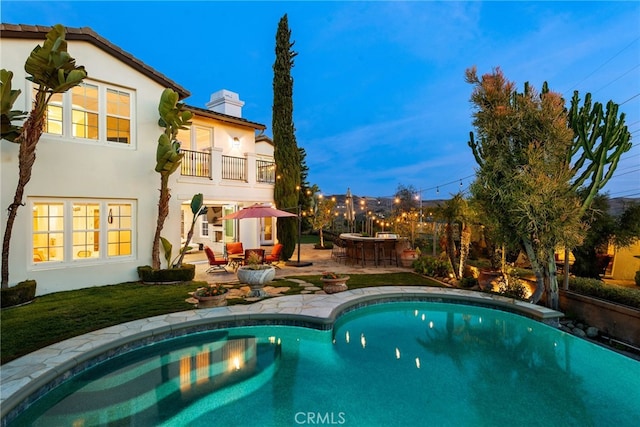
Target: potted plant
{"type": "Point", "coordinates": [334, 282]}
{"type": "Point", "coordinates": [212, 295]}
{"type": "Point", "coordinates": [256, 274]}
{"type": "Point", "coordinates": [409, 255]}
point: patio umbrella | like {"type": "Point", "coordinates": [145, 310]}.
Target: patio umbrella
{"type": "Point", "coordinates": [258, 211]}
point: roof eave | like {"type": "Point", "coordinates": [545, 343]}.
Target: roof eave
{"type": "Point", "coordinates": [38, 32]}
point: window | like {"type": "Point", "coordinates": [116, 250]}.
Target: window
{"type": "Point", "coordinates": [203, 139]}
{"type": "Point", "coordinates": [86, 230]}
{"type": "Point", "coordinates": [93, 112]}
{"type": "Point", "coordinates": [204, 229]}
{"type": "Point", "coordinates": [48, 232]}
{"type": "Point", "coordinates": [118, 116]}
{"type": "Point", "coordinates": [67, 231]}
{"type": "Point", "coordinates": [120, 229]}
{"type": "Point", "coordinates": [84, 99]}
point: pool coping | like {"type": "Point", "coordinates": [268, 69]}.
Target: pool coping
{"type": "Point", "coordinates": [25, 379]}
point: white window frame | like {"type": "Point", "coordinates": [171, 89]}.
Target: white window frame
{"type": "Point", "coordinates": [67, 107]}
{"type": "Point", "coordinates": [67, 232]}
{"type": "Point", "coordinates": [205, 227]}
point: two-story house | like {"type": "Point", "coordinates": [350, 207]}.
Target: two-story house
{"type": "Point", "coordinates": [232, 167]}
{"type": "Point", "coordinates": [91, 206]}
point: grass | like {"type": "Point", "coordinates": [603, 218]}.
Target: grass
{"type": "Point", "coordinates": [55, 317]}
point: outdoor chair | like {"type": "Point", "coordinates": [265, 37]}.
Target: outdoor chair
{"type": "Point", "coordinates": [249, 252]}
{"type": "Point", "coordinates": [231, 249]}
{"type": "Point", "coordinates": [214, 264]}
{"type": "Point", "coordinates": [234, 248]}
{"type": "Point", "coordinates": [274, 257]}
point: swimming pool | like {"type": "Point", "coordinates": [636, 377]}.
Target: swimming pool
{"type": "Point", "coordinates": [419, 363]}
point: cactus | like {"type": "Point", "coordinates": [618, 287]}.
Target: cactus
{"type": "Point", "coordinates": [600, 139]}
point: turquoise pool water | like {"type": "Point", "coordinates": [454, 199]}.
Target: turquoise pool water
{"type": "Point", "coordinates": [390, 364]}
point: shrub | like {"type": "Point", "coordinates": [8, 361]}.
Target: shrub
{"type": "Point", "coordinates": [184, 273]}
{"type": "Point", "coordinates": [327, 245]}
{"type": "Point", "coordinates": [430, 266]}
{"type": "Point", "coordinates": [512, 287]}
{"type": "Point", "coordinates": [468, 282]}
{"type": "Point", "coordinates": [637, 278]}
{"type": "Point", "coordinates": [598, 289]}
{"type": "Point", "coordinates": [18, 294]}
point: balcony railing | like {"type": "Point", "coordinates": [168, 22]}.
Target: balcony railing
{"type": "Point", "coordinates": [234, 168]}
{"type": "Point", "coordinates": [265, 171]}
{"type": "Point", "coordinates": [215, 166]}
{"type": "Point", "coordinates": [196, 163]}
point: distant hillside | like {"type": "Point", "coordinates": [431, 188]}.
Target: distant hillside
{"type": "Point", "coordinates": [618, 204]}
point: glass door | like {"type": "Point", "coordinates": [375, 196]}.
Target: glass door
{"type": "Point", "coordinates": [266, 231]}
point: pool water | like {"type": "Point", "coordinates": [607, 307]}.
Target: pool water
{"type": "Point", "coordinates": [390, 364]}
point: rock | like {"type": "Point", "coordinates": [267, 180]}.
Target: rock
{"type": "Point", "coordinates": [592, 332]}
{"type": "Point", "coordinates": [580, 325]}
{"type": "Point", "coordinates": [578, 332]}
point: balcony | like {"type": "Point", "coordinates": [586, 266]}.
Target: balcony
{"type": "Point", "coordinates": [216, 166]}
{"type": "Point", "coordinates": [196, 163]}
{"type": "Point", "coordinates": [234, 168]}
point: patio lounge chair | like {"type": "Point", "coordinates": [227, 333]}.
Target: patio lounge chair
{"type": "Point", "coordinates": [214, 264]}
{"type": "Point", "coordinates": [274, 257]}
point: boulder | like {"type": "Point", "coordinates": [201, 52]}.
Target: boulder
{"type": "Point", "coordinates": [592, 332]}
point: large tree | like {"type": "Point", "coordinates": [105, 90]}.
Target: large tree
{"type": "Point", "coordinates": [53, 71]}
{"type": "Point", "coordinates": [541, 166]}
{"type": "Point", "coordinates": [523, 182]}
{"type": "Point", "coordinates": [286, 153]}
{"type": "Point", "coordinates": [405, 212]}
{"type": "Point", "coordinates": [322, 213]}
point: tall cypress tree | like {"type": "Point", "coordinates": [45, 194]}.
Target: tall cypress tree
{"type": "Point", "coordinates": [286, 153]}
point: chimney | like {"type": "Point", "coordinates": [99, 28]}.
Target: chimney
{"type": "Point", "coordinates": [226, 102]}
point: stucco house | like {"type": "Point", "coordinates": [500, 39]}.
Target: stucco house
{"type": "Point", "coordinates": [91, 205]}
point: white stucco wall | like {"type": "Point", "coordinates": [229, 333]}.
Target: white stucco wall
{"type": "Point", "coordinates": [217, 191]}
{"type": "Point", "coordinates": [80, 169]}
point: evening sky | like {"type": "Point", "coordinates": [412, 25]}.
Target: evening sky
{"type": "Point", "coordinates": [379, 91]}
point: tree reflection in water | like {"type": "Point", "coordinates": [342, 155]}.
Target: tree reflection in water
{"type": "Point", "coordinates": [506, 363]}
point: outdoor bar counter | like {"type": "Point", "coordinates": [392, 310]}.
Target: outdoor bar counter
{"type": "Point", "coordinates": [378, 250]}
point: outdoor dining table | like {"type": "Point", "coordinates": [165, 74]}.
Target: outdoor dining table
{"type": "Point", "coordinates": [362, 249]}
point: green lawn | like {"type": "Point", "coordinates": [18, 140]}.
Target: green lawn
{"type": "Point", "coordinates": [55, 317]}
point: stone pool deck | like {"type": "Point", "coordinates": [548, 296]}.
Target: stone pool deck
{"type": "Point", "coordinates": [29, 377]}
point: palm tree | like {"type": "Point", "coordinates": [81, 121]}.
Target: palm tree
{"type": "Point", "coordinates": [452, 212]}
{"type": "Point", "coordinates": [168, 158]}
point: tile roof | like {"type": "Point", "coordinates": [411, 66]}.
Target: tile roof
{"type": "Point", "coordinates": [38, 32]}
{"type": "Point", "coordinates": [225, 117]}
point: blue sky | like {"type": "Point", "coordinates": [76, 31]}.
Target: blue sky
{"type": "Point", "coordinates": [379, 91]}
